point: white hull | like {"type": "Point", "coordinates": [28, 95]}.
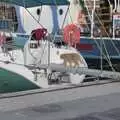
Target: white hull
{"type": "Point", "coordinates": [32, 57]}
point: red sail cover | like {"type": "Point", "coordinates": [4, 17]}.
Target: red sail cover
{"type": "Point", "coordinates": [71, 34]}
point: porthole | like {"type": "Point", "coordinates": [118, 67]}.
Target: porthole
{"type": "Point", "coordinates": [61, 11]}
{"type": "Point", "coordinates": [38, 11]}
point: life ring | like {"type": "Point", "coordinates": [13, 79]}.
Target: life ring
{"type": "Point", "coordinates": [71, 34]}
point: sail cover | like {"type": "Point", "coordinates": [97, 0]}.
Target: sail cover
{"type": "Point", "coordinates": [33, 3]}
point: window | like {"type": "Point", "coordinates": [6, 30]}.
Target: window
{"type": "Point", "coordinates": [61, 11]}
{"type": "Point", "coordinates": [38, 11]}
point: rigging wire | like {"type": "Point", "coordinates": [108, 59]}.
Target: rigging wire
{"type": "Point", "coordinates": [118, 52]}
{"type": "Point", "coordinates": [109, 61]}
{"type": "Point", "coordinates": [34, 18]}
{"type": "Point", "coordinates": [108, 56]}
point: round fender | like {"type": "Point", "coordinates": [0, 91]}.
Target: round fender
{"type": "Point", "coordinates": [76, 78]}
{"type": "Point", "coordinates": [71, 34]}
{"type": "Point", "coordinates": [39, 34]}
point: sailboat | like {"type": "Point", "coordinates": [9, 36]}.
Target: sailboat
{"type": "Point", "coordinates": [98, 21]}
{"type": "Point", "coordinates": [26, 65]}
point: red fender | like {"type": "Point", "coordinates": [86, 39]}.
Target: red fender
{"type": "Point", "coordinates": [39, 34]}
{"type": "Point", "coordinates": [71, 34]}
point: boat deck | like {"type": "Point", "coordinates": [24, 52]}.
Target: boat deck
{"type": "Point", "coordinates": [97, 102]}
